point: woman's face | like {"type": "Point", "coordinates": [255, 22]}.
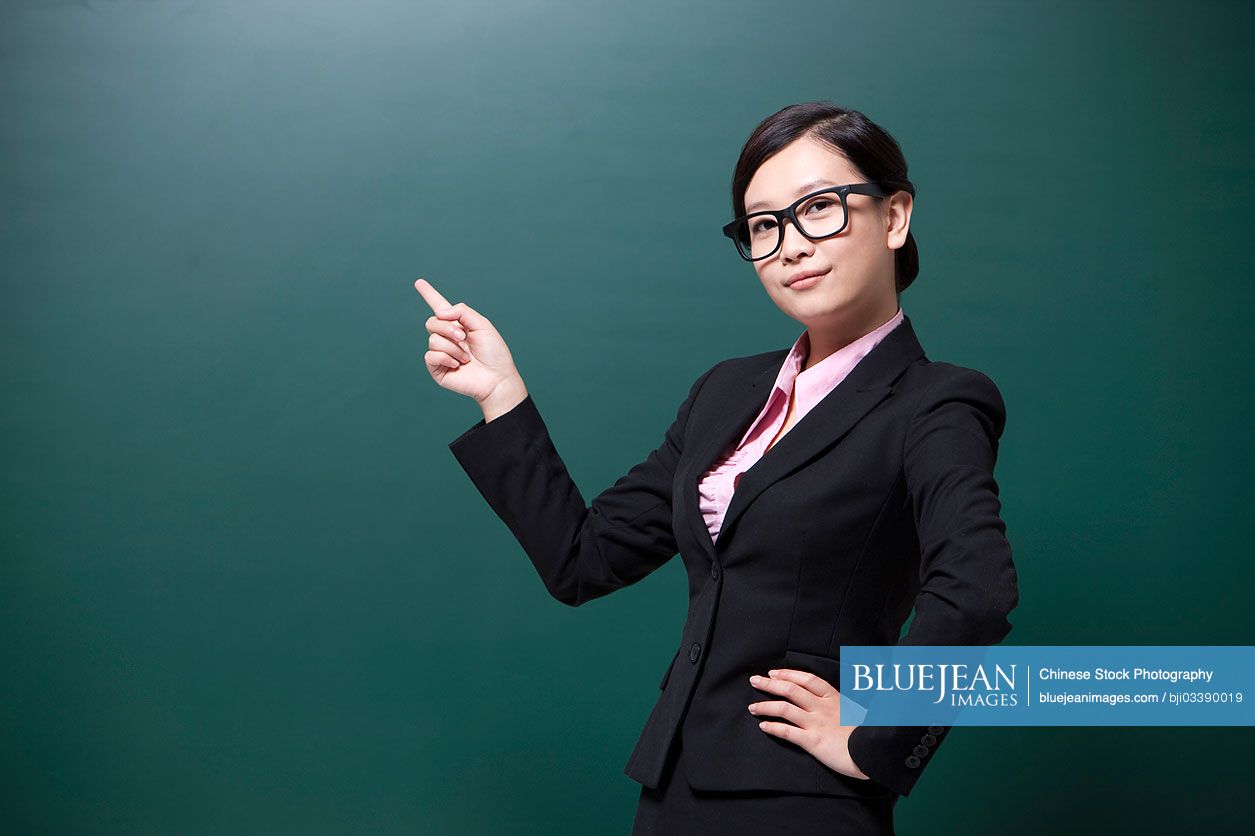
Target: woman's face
{"type": "Point", "coordinates": [856, 289]}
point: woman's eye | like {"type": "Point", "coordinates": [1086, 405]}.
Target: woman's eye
{"type": "Point", "coordinates": [819, 204]}
{"type": "Point", "coordinates": [762, 226]}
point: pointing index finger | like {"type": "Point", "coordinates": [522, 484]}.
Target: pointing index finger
{"type": "Point", "coordinates": [431, 295]}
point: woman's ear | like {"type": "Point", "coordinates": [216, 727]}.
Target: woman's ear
{"type": "Point", "coordinates": [898, 224]}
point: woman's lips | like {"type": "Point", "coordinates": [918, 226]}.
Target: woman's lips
{"type": "Point", "coordinates": [810, 281]}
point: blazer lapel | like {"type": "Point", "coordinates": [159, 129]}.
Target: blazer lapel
{"type": "Point", "coordinates": [867, 384]}
{"type": "Point", "coordinates": [732, 419]}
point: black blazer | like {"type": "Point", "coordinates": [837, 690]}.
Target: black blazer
{"type": "Point", "coordinates": [880, 499]}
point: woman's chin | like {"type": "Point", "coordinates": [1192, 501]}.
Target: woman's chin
{"type": "Point", "coordinates": [818, 311]}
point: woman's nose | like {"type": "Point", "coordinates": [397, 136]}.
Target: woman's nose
{"type": "Point", "coordinates": [795, 243]}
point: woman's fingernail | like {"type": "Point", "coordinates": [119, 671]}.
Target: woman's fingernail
{"type": "Point", "coordinates": [754, 678]}
{"type": "Point", "coordinates": [461, 334]}
{"type": "Point", "coordinates": [772, 673]}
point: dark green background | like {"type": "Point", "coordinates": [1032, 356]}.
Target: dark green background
{"type": "Point", "coordinates": [246, 588]}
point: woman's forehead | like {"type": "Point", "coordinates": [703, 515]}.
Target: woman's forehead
{"type": "Point", "coordinates": [800, 167]}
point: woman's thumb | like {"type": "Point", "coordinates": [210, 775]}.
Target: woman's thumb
{"type": "Point", "coordinates": [469, 317]}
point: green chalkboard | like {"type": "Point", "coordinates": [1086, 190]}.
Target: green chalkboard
{"type": "Point", "coordinates": [245, 588]}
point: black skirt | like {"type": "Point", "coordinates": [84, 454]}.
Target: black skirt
{"type": "Point", "coordinates": [676, 809]}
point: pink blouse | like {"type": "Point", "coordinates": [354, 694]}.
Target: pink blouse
{"type": "Point", "coordinates": [809, 387]}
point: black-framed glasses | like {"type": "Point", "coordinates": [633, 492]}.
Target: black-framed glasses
{"type": "Point", "coordinates": [816, 215]}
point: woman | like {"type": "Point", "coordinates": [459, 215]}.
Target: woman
{"type": "Point", "coordinates": [817, 495]}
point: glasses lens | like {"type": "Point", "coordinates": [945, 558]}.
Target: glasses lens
{"type": "Point", "coordinates": [757, 236]}
{"type": "Point", "coordinates": [822, 215]}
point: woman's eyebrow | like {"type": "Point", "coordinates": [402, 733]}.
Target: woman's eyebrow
{"type": "Point", "coordinates": [801, 190]}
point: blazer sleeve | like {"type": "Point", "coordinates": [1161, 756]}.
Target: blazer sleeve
{"type": "Point", "coordinates": [581, 552]}
{"type": "Point", "coordinates": [968, 580]}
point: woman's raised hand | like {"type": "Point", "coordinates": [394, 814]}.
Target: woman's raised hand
{"type": "Point", "coordinates": [466, 355]}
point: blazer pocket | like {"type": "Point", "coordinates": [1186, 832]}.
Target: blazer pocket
{"type": "Point", "coordinates": [662, 684]}
{"type": "Point", "coordinates": [828, 667]}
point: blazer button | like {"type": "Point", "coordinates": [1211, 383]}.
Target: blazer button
{"type": "Point", "coordinates": [935, 729]}
{"type": "Point", "coordinates": [928, 740]}
{"type": "Point", "coordinates": [695, 651]}
{"type": "Point", "coordinates": [922, 751]}
{"type": "Point", "coordinates": [912, 761]}
{"type": "Point", "coordinates": [714, 571]}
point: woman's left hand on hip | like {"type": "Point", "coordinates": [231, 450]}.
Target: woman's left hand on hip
{"type": "Point", "coordinates": [813, 707]}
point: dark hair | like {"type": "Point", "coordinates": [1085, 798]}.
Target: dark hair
{"type": "Point", "coordinates": [872, 151]}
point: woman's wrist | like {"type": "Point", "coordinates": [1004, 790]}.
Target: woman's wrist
{"type": "Point", "coordinates": [504, 397]}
